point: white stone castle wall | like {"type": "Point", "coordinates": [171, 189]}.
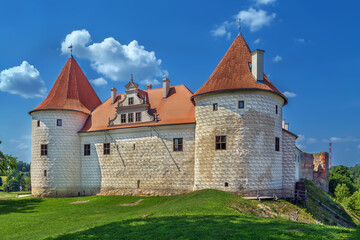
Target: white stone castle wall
{"type": "Point", "coordinates": [289, 160]}
{"type": "Point", "coordinates": [150, 162]}
{"type": "Point", "coordinates": [63, 161]}
{"type": "Point", "coordinates": [250, 161]}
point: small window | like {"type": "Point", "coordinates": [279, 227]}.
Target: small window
{"type": "Point", "coordinates": [86, 149]}
{"type": "Point", "coordinates": [138, 116]}
{"type": "Point", "coordinates": [241, 104]}
{"type": "Point", "coordinates": [38, 123]}
{"type": "Point", "coordinates": [45, 173]}
{"type": "Point", "coordinates": [138, 183]}
{"type": "Point", "coordinates": [131, 100]}
{"type": "Point", "coordinates": [130, 117]}
{"type": "Point", "coordinates": [134, 146]}
{"type": "Point", "coordinates": [220, 142]}
{"type": "Point", "coordinates": [178, 144]}
{"type": "Point", "coordinates": [277, 144]}
{"type": "Point", "coordinates": [44, 149]}
{"type": "Point", "coordinates": [123, 118]}
{"type": "Point", "coordinates": [106, 148]}
{"type": "Point", "coordinates": [215, 107]}
{"type": "Point", "coordinates": [59, 122]}
{"type": "Point", "coordinates": [226, 184]}
{"type": "Point", "coordinates": [276, 109]}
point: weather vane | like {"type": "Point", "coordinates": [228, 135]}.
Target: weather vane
{"type": "Point", "coordinates": [131, 78]}
{"type": "Point", "coordinates": [239, 23]}
{"type": "Point", "coordinates": [71, 47]}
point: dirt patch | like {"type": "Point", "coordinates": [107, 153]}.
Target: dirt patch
{"type": "Point", "coordinates": [77, 202]}
{"type": "Point", "coordinates": [132, 204]}
{"type": "Point", "coordinates": [269, 212]}
{"type": "Point", "coordinates": [145, 215]}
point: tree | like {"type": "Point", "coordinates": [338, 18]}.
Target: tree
{"type": "Point", "coordinates": [342, 192]}
{"type": "Point", "coordinates": [354, 202]}
{"type": "Point", "coordinates": [6, 162]}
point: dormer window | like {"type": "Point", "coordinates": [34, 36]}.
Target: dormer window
{"type": "Point", "coordinates": [131, 100]}
{"type": "Point", "coordinates": [130, 117]}
{"type": "Point", "coordinates": [215, 107]}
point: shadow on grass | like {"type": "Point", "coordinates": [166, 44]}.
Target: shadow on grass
{"type": "Point", "coordinates": [26, 205]}
{"type": "Point", "coordinates": [210, 227]}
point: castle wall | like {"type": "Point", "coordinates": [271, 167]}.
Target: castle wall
{"type": "Point", "coordinates": [62, 163]}
{"type": "Point", "coordinates": [141, 161]}
{"type": "Point", "coordinates": [250, 161]}
{"type": "Point", "coordinates": [315, 167]}
{"type": "Point", "coordinates": [289, 160]}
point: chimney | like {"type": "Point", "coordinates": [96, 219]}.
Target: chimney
{"type": "Point", "coordinates": [257, 65]}
{"type": "Point", "coordinates": [149, 86]}
{"type": "Point", "coordinates": [287, 126]}
{"type": "Point", "coordinates": [113, 95]}
{"type": "Point", "coordinates": [166, 87]}
{"type": "Point", "coordinates": [283, 123]}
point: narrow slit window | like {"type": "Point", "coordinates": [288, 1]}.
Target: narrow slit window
{"type": "Point", "coordinates": [138, 183]}
{"type": "Point", "coordinates": [45, 173]}
{"type": "Point", "coordinates": [241, 104]}
{"type": "Point", "coordinates": [106, 148]}
{"type": "Point", "coordinates": [178, 144]}
{"type": "Point", "coordinates": [138, 116]}
{"type": "Point", "coordinates": [38, 123]}
{"type": "Point", "coordinates": [131, 101]}
{"type": "Point", "coordinates": [134, 146]}
{"type": "Point", "coordinates": [220, 142]}
{"type": "Point", "coordinates": [130, 117]}
{"type": "Point", "coordinates": [215, 107]}
{"type": "Point", "coordinates": [276, 109]}
{"type": "Point", "coordinates": [277, 144]}
{"type": "Point", "coordinates": [44, 150]}
{"type": "Point", "coordinates": [59, 122]}
{"type": "Point", "coordinates": [86, 149]}
{"type": "Point", "coordinates": [123, 118]}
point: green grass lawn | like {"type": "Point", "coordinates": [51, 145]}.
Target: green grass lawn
{"type": "Point", "coordinates": [207, 214]}
{"type": "Point", "coordinates": [12, 194]}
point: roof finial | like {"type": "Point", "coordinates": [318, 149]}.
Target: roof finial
{"type": "Point", "coordinates": [71, 47]}
{"type": "Point", "coordinates": [131, 80]}
{"type": "Point", "coordinates": [239, 23]}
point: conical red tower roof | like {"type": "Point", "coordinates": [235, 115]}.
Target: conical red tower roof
{"type": "Point", "coordinates": [71, 91]}
{"type": "Point", "coordinates": [233, 73]}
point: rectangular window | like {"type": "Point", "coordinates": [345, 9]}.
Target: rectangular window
{"type": "Point", "coordinates": [59, 122]}
{"type": "Point", "coordinates": [130, 117]}
{"type": "Point", "coordinates": [123, 118]}
{"type": "Point", "coordinates": [45, 173]}
{"type": "Point", "coordinates": [276, 109]}
{"type": "Point", "coordinates": [178, 144]}
{"type": "Point", "coordinates": [215, 107]}
{"type": "Point", "coordinates": [241, 104]}
{"type": "Point", "coordinates": [277, 144]}
{"type": "Point", "coordinates": [131, 100]}
{"type": "Point", "coordinates": [106, 148]}
{"type": "Point", "coordinates": [220, 142]}
{"type": "Point", "coordinates": [138, 116]}
{"type": "Point", "coordinates": [86, 149]}
{"type": "Point", "coordinates": [44, 150]}
{"type": "Point", "coordinates": [38, 123]}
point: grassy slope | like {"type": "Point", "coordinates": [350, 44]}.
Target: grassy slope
{"type": "Point", "coordinates": [208, 214]}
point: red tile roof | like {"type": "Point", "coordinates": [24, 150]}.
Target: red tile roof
{"type": "Point", "coordinates": [71, 91]}
{"type": "Point", "coordinates": [233, 73]}
{"type": "Point", "coordinates": [177, 108]}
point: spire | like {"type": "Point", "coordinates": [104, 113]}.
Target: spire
{"type": "Point", "coordinates": [71, 91]}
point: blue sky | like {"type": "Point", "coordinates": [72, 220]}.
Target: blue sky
{"type": "Point", "coordinates": [311, 52]}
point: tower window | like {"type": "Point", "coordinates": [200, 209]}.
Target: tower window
{"type": "Point", "coordinates": [138, 116]}
{"type": "Point", "coordinates": [45, 173]}
{"type": "Point", "coordinates": [138, 184]}
{"type": "Point", "coordinates": [215, 107]}
{"type": "Point", "coordinates": [241, 104]}
{"type": "Point", "coordinates": [38, 123]}
{"type": "Point", "coordinates": [226, 184]}
{"type": "Point", "coordinates": [58, 122]}
{"type": "Point", "coordinates": [277, 144]}
{"type": "Point", "coordinates": [130, 117]}
{"type": "Point", "coordinates": [44, 150]}
{"type": "Point", "coordinates": [131, 100]}
{"type": "Point", "coordinates": [106, 148]}
{"type": "Point", "coordinates": [276, 109]}
{"type": "Point", "coordinates": [178, 144]}
{"type": "Point", "coordinates": [220, 142]}
{"type": "Point", "coordinates": [123, 118]}
{"type": "Point", "coordinates": [86, 149]}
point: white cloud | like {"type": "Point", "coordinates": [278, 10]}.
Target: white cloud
{"type": "Point", "coordinates": [255, 19]}
{"type": "Point", "coordinates": [277, 58]}
{"type": "Point", "coordinates": [358, 146]}
{"type": "Point", "coordinates": [311, 140]}
{"type": "Point", "coordinates": [23, 146]}
{"type": "Point", "coordinates": [300, 40]}
{"type": "Point", "coordinates": [222, 30]}
{"type": "Point", "coordinates": [300, 146]}
{"type": "Point", "coordinates": [289, 94]}
{"type": "Point", "coordinates": [264, 2]}
{"type": "Point", "coordinates": [300, 138]}
{"type": "Point", "coordinates": [113, 59]}
{"type": "Point", "coordinates": [345, 139]}
{"type": "Point", "coordinates": [27, 137]}
{"type": "Point", "coordinates": [256, 41]}
{"type": "Point", "coordinates": [99, 81]}
{"type": "Point", "coordinates": [23, 80]}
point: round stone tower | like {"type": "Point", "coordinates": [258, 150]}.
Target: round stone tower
{"type": "Point", "coordinates": [56, 148]}
{"type": "Point", "coordinates": [239, 126]}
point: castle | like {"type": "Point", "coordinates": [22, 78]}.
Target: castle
{"type": "Point", "coordinates": [228, 135]}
